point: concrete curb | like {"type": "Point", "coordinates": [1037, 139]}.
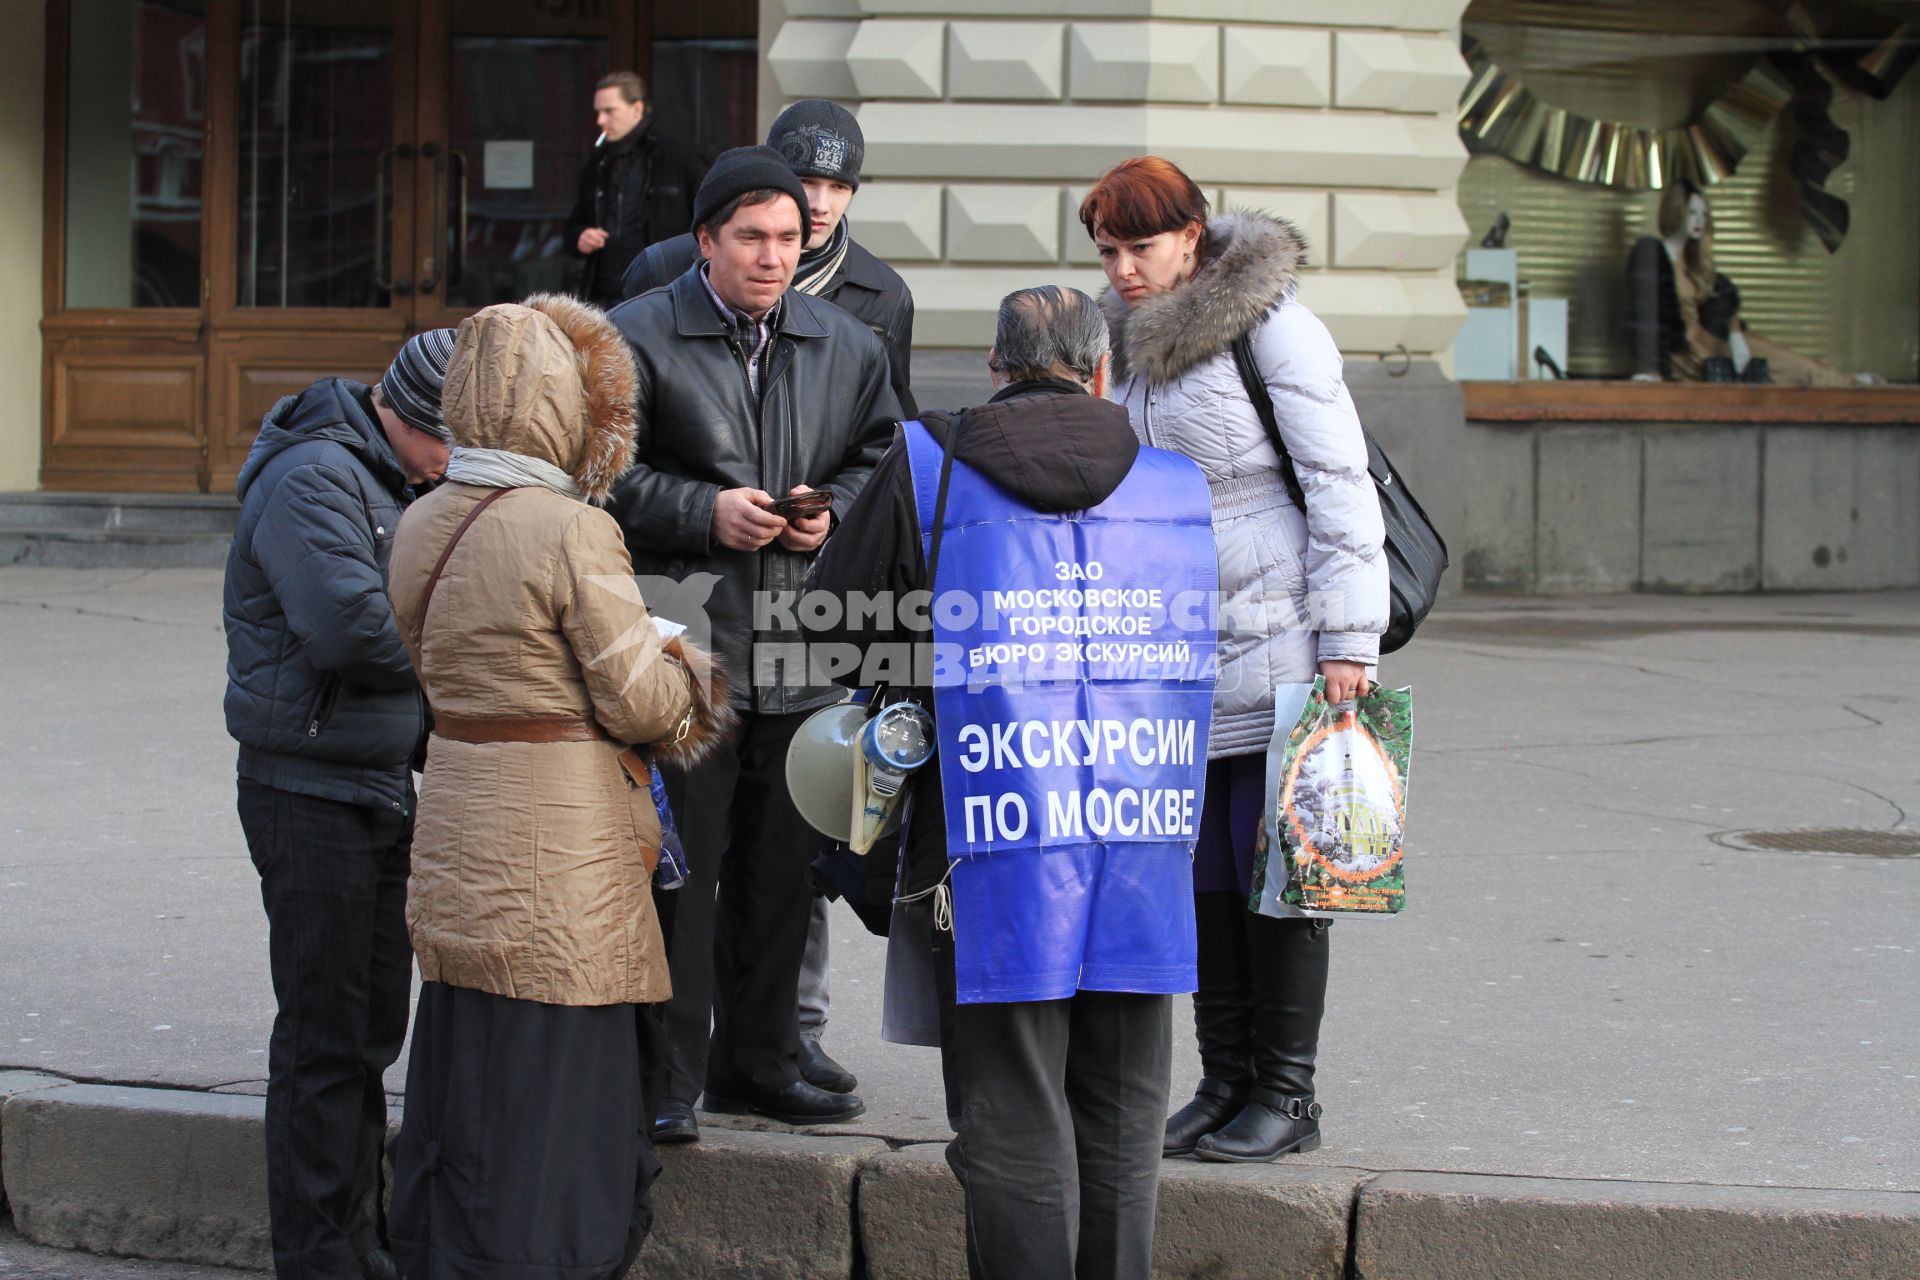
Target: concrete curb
{"type": "Point", "coordinates": [1417, 1226]}
{"type": "Point", "coordinates": [180, 1176]}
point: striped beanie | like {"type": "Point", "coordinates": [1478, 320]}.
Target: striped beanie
{"type": "Point", "coordinates": [414, 380]}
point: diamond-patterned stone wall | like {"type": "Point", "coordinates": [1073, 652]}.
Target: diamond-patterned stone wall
{"type": "Point", "coordinates": [1006, 61]}
{"type": "Point", "coordinates": [987, 120]}
{"type": "Point", "coordinates": [899, 59]}
{"type": "Point", "coordinates": [1143, 62]}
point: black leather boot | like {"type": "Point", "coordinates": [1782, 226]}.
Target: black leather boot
{"type": "Point", "coordinates": [1222, 1021]}
{"type": "Point", "coordinates": [1289, 980]}
{"type": "Point", "coordinates": [1214, 1103]}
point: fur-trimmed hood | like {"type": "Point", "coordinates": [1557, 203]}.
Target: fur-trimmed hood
{"type": "Point", "coordinates": [1256, 263]}
{"type": "Point", "coordinates": [550, 378]}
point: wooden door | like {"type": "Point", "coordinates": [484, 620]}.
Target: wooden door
{"type": "Point", "coordinates": [313, 181]}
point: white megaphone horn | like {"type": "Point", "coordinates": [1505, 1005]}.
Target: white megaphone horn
{"type": "Point", "coordinates": [847, 771]}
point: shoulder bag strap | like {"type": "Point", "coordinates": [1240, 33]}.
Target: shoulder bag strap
{"type": "Point", "coordinates": [433, 579]}
{"type": "Point", "coordinates": [1256, 387]}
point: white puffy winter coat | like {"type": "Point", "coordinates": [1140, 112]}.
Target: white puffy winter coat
{"type": "Point", "coordinates": [1295, 590]}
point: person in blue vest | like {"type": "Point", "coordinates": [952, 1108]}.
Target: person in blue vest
{"type": "Point", "coordinates": [1067, 660]}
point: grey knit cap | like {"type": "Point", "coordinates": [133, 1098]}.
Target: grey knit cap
{"type": "Point", "coordinates": [820, 139]}
{"type": "Point", "coordinates": [414, 380]}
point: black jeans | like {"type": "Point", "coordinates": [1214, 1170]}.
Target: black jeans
{"type": "Point", "coordinates": [744, 838]}
{"type": "Point", "coordinates": [1061, 1108]}
{"type": "Point", "coordinates": [333, 878]}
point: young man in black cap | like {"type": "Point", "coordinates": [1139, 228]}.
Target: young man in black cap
{"type": "Point", "coordinates": [636, 188]}
{"type": "Point", "coordinates": [322, 699]}
{"type": "Point", "coordinates": [822, 142]}
{"type": "Point", "coordinates": [748, 390]}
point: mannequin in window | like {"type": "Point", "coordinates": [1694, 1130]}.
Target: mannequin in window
{"type": "Point", "coordinates": [1684, 316]}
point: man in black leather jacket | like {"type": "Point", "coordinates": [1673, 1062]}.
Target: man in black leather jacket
{"type": "Point", "coordinates": [823, 143]}
{"type": "Point", "coordinates": [747, 390]}
{"type": "Point", "coordinates": [636, 188]}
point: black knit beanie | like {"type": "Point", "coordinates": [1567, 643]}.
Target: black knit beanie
{"type": "Point", "coordinates": [745, 169]}
{"type": "Point", "coordinates": [820, 139]}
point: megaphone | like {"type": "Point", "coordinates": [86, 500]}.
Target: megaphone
{"type": "Point", "coordinates": [847, 771]}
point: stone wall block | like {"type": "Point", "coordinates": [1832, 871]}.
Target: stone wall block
{"type": "Point", "coordinates": [1223, 147]}
{"type": "Point", "coordinates": [776, 1206]}
{"type": "Point", "coordinates": [1701, 531]}
{"type": "Point", "coordinates": [1074, 237]}
{"type": "Point", "coordinates": [146, 1173]}
{"type": "Point", "coordinates": [1003, 224]}
{"type": "Point", "coordinates": [1841, 508]}
{"type": "Point", "coordinates": [957, 306]}
{"type": "Point", "coordinates": [1306, 210]}
{"type": "Point", "coordinates": [1276, 66]}
{"type": "Point", "coordinates": [1375, 313]}
{"type": "Point", "coordinates": [1404, 15]}
{"type": "Point", "coordinates": [1495, 543]}
{"type": "Point", "coordinates": [1280, 147]}
{"type": "Point", "coordinates": [1389, 71]}
{"type": "Point", "coordinates": [996, 140]}
{"type": "Point", "coordinates": [809, 59]}
{"type": "Point", "coordinates": [900, 221]}
{"type": "Point", "coordinates": [899, 59]}
{"type": "Point", "coordinates": [1423, 1226]}
{"type": "Point", "coordinates": [1143, 61]}
{"type": "Point", "coordinates": [1006, 60]}
{"type": "Point", "coordinates": [1589, 501]}
{"type": "Point", "coordinates": [1410, 232]}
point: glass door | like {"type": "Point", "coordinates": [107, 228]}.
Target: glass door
{"type": "Point", "coordinates": [506, 128]}
{"type": "Point", "coordinates": [313, 204]}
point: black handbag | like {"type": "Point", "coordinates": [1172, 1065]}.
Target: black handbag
{"type": "Point", "coordinates": [1416, 553]}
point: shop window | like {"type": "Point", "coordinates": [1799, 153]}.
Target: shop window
{"type": "Point", "coordinates": [136, 80]}
{"type": "Point", "coordinates": [1778, 140]}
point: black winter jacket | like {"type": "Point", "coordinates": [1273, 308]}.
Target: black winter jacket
{"type": "Point", "coordinates": [639, 190]}
{"type": "Point", "coordinates": [320, 693]}
{"type": "Point", "coordinates": [864, 287]}
{"type": "Point", "coordinates": [1051, 445]}
{"type": "Point", "coordinates": [823, 418]}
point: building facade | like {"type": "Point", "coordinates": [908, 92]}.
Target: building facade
{"type": "Point", "coordinates": [210, 203]}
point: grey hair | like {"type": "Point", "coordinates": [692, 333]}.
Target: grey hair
{"type": "Point", "coordinates": [1047, 330]}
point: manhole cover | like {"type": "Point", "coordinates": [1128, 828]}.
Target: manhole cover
{"type": "Point", "coordinates": [1856, 840]}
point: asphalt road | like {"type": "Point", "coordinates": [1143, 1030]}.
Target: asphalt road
{"type": "Point", "coordinates": [1588, 982]}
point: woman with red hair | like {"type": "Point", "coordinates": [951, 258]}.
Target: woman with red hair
{"type": "Point", "coordinates": [1303, 592]}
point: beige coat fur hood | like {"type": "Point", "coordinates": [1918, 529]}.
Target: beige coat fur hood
{"type": "Point", "coordinates": [532, 860]}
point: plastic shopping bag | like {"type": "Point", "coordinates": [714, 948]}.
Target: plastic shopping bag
{"type": "Point", "coordinates": [1333, 829]}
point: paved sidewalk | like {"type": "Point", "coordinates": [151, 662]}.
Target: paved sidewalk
{"type": "Point", "coordinates": [1586, 984]}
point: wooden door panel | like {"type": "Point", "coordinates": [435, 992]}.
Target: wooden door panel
{"type": "Point", "coordinates": [248, 374]}
{"type": "Point", "coordinates": [123, 414]}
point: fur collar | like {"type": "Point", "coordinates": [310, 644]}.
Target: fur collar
{"type": "Point", "coordinates": [1256, 263]}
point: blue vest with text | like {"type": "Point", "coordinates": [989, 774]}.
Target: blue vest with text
{"type": "Point", "coordinates": [1072, 705]}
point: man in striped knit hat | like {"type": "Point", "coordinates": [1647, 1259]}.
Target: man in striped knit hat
{"type": "Point", "coordinates": [323, 702]}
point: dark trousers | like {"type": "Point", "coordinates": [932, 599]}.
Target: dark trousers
{"type": "Point", "coordinates": [333, 878]}
{"type": "Point", "coordinates": [745, 840]}
{"type": "Point", "coordinates": [1061, 1111]}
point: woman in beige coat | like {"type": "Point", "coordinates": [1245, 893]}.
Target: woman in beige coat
{"type": "Point", "coordinates": [524, 1148]}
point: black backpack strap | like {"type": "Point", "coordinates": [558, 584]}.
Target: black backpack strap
{"type": "Point", "coordinates": [1256, 388]}
{"type": "Point", "coordinates": [940, 497]}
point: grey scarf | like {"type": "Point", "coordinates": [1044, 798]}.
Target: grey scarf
{"type": "Point", "coordinates": [499, 469]}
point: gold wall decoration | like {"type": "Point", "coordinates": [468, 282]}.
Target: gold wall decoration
{"type": "Point", "coordinates": [1499, 113]}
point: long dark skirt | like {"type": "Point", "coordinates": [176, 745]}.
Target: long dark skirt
{"type": "Point", "coordinates": [524, 1151]}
